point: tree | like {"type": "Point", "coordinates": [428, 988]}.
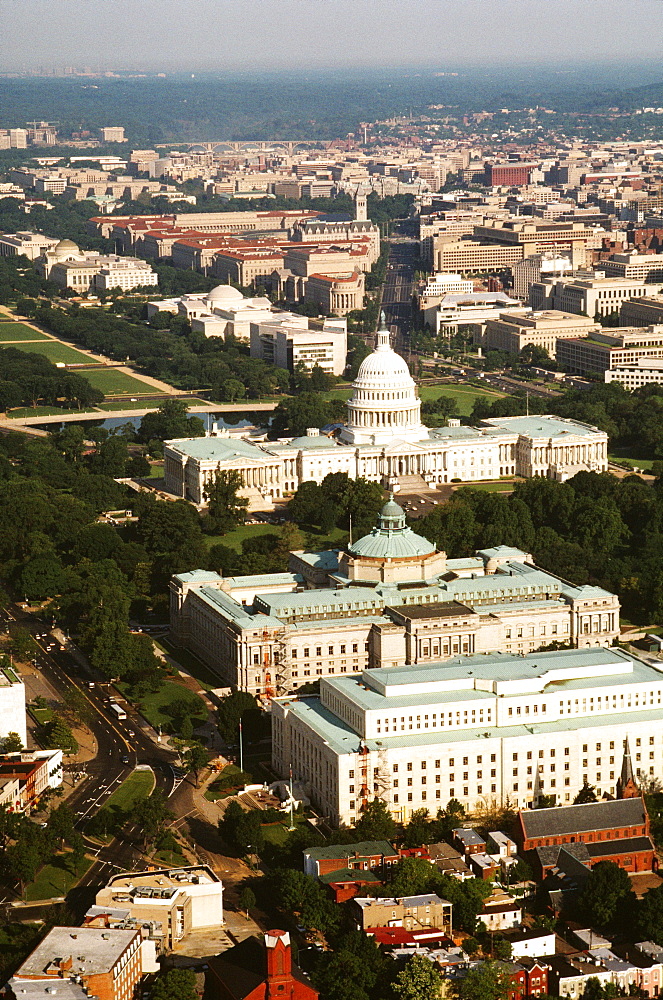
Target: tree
{"type": "Point", "coordinates": [22, 861]}
{"type": "Point", "coordinates": [649, 916]}
{"type": "Point", "coordinates": [61, 823]}
{"type": "Point", "coordinates": [195, 759]}
{"type": "Point", "coordinates": [419, 980]}
{"type": "Point", "coordinates": [241, 829]}
{"type": "Point", "coordinates": [606, 895]}
{"type": "Point", "coordinates": [78, 851]}
{"type": "Point", "coordinates": [175, 984]}
{"type": "Point", "coordinates": [487, 981]}
{"type": "Point", "coordinates": [418, 830]}
{"type": "Point", "coordinates": [170, 420]}
{"type": "Point", "coordinates": [247, 899]}
{"type": "Point", "coordinates": [152, 815]}
{"type": "Point", "coordinates": [226, 509]}
{"type": "Point", "coordinates": [502, 949]}
{"type": "Point", "coordinates": [22, 645]}
{"type": "Point", "coordinates": [376, 822]}
{"type": "Point", "coordinates": [586, 794]}
{"type": "Point", "coordinates": [12, 743]}
{"type": "Point", "coordinates": [238, 706]}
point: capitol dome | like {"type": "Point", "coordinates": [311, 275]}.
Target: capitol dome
{"type": "Point", "coordinates": [224, 297]}
{"type": "Point", "coordinates": [384, 404]}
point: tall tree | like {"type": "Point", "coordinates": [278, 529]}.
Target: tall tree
{"type": "Point", "coordinates": [418, 980]}
{"type": "Point", "coordinates": [226, 509]}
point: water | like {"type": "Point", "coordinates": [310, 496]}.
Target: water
{"type": "Point", "coordinates": [224, 420]}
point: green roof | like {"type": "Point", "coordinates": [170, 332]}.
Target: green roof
{"type": "Point", "coordinates": [348, 875]}
{"type": "Point", "coordinates": [337, 852]}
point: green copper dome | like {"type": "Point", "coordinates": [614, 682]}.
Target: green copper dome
{"type": "Point", "coordinates": [392, 539]}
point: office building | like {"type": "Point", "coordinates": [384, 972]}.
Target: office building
{"type": "Point", "coordinates": [642, 311]}
{"type": "Point", "coordinates": [588, 296]}
{"type": "Point", "coordinates": [491, 729]}
{"type": "Point", "coordinates": [26, 244]}
{"type": "Point", "coordinates": [536, 267]}
{"type": "Point", "coordinates": [473, 257]}
{"type": "Point", "coordinates": [470, 311]}
{"type": "Point", "coordinates": [112, 133]}
{"type": "Point", "coordinates": [636, 266]}
{"type": "Point", "coordinates": [511, 333]}
{"type": "Point", "coordinates": [631, 356]}
{"type": "Point", "coordinates": [286, 340]}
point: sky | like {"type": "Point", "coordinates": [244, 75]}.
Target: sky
{"type": "Point", "coordinates": [189, 35]}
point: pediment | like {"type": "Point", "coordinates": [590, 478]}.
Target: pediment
{"type": "Point", "coordinates": [402, 448]}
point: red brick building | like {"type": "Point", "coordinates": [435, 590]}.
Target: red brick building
{"type": "Point", "coordinates": [254, 970]}
{"type": "Point", "coordinates": [616, 831]}
{"type": "Point", "coordinates": [508, 174]}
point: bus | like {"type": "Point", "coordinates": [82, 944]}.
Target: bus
{"type": "Point", "coordinates": [118, 710]}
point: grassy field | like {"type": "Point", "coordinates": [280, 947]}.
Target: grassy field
{"type": "Point", "coordinates": [137, 786]}
{"type": "Point", "coordinates": [114, 382]}
{"type": "Point", "coordinates": [19, 331]}
{"type": "Point", "coordinates": [233, 539]}
{"type": "Point", "coordinates": [37, 411]}
{"type": "Point", "coordinates": [127, 404]}
{"type": "Point", "coordinates": [55, 351]}
{"type": "Point", "coordinates": [624, 456]}
{"type": "Point", "coordinates": [343, 392]}
{"type": "Point", "coordinates": [156, 470]}
{"type": "Point", "coordinates": [463, 395]}
{"type": "Point", "coordinates": [504, 486]}
{"type": "Point", "coordinates": [155, 707]}
{"type": "Point", "coordinates": [56, 878]}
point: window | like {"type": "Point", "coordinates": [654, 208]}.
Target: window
{"type": "Point", "coordinates": [409, 765]}
{"type": "Point", "coordinates": [355, 647]}
{"type": "Point", "coordinates": [351, 774]}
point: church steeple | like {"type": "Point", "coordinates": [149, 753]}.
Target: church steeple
{"type": "Point", "coordinates": [626, 786]}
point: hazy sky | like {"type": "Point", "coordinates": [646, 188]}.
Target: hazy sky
{"type": "Point", "coordinates": [300, 34]}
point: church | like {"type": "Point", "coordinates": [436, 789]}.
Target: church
{"type": "Point", "coordinates": [385, 441]}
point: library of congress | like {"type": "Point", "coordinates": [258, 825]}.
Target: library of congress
{"type": "Point", "coordinates": [385, 441]}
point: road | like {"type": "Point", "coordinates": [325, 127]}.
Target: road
{"type": "Point", "coordinates": [130, 739]}
{"type": "Point", "coordinates": [397, 291]}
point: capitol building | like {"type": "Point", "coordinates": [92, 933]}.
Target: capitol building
{"type": "Point", "coordinates": [384, 441]}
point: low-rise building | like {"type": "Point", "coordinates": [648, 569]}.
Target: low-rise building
{"type": "Point", "coordinates": [501, 912]}
{"type": "Point", "coordinates": [221, 312]}
{"type": "Point", "coordinates": [173, 902]}
{"type": "Point", "coordinates": [26, 777]}
{"type": "Point", "coordinates": [27, 244]}
{"type": "Point", "coordinates": [632, 356]}
{"type": "Point", "coordinates": [643, 266]}
{"type": "Point", "coordinates": [409, 912]}
{"type": "Point", "coordinates": [107, 963]}
{"type": "Point", "coordinates": [643, 311]}
{"type": "Point", "coordinates": [258, 970]}
{"type": "Point", "coordinates": [377, 856]}
{"type": "Point", "coordinates": [589, 296]}
{"type": "Point", "coordinates": [84, 272]}
{"type": "Point", "coordinates": [12, 704]}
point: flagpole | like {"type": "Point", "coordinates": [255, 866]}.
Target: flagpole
{"type": "Point", "coordinates": [292, 802]}
{"type": "Point", "coordinates": [241, 748]}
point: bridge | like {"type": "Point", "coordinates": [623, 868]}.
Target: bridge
{"type": "Point", "coordinates": [257, 145]}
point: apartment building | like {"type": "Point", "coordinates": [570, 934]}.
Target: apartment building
{"type": "Point", "coordinates": [106, 963]}
{"type": "Point", "coordinates": [543, 329]}
{"type": "Point", "coordinates": [287, 341]}
{"type": "Point", "coordinates": [588, 295]}
{"type": "Point", "coordinates": [485, 729]}
{"type": "Point", "coordinates": [412, 913]}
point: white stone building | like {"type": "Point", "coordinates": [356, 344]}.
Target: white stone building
{"type": "Point", "coordinates": [221, 312]}
{"type": "Point", "coordinates": [389, 600]}
{"type": "Point", "coordinates": [12, 705]}
{"type": "Point", "coordinates": [287, 341]}
{"type": "Point", "coordinates": [384, 441]}
{"type": "Point", "coordinates": [85, 271]}
{"type": "Point", "coordinates": [491, 729]}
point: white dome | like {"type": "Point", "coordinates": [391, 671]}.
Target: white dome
{"type": "Point", "coordinates": [384, 405]}
{"type": "Point", "coordinates": [224, 295]}
{"type": "Point", "coordinates": [65, 248]}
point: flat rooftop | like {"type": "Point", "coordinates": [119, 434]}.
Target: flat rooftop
{"type": "Point", "coordinates": [93, 950]}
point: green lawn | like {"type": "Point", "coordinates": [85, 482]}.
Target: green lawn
{"type": "Point", "coordinates": [155, 706]}
{"type": "Point", "coordinates": [463, 395]}
{"type": "Point", "coordinates": [233, 539]}
{"type": "Point", "coordinates": [624, 456]}
{"type": "Point", "coordinates": [19, 331]}
{"type": "Point", "coordinates": [37, 411]}
{"type": "Point", "coordinates": [343, 392]}
{"type": "Point", "coordinates": [41, 715]}
{"type": "Point", "coordinates": [128, 404]}
{"type": "Point", "coordinates": [114, 382]}
{"type": "Point", "coordinates": [156, 471]}
{"type": "Point", "coordinates": [504, 486]}
{"type": "Point", "coordinates": [56, 878]}
{"type": "Point", "coordinates": [137, 786]}
{"type": "Point", "coordinates": [170, 859]}
{"type": "Point", "coordinates": [216, 790]}
{"type": "Point", "coordinates": [55, 351]}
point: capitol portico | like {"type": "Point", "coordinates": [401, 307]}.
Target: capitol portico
{"type": "Point", "coordinates": [385, 441]}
